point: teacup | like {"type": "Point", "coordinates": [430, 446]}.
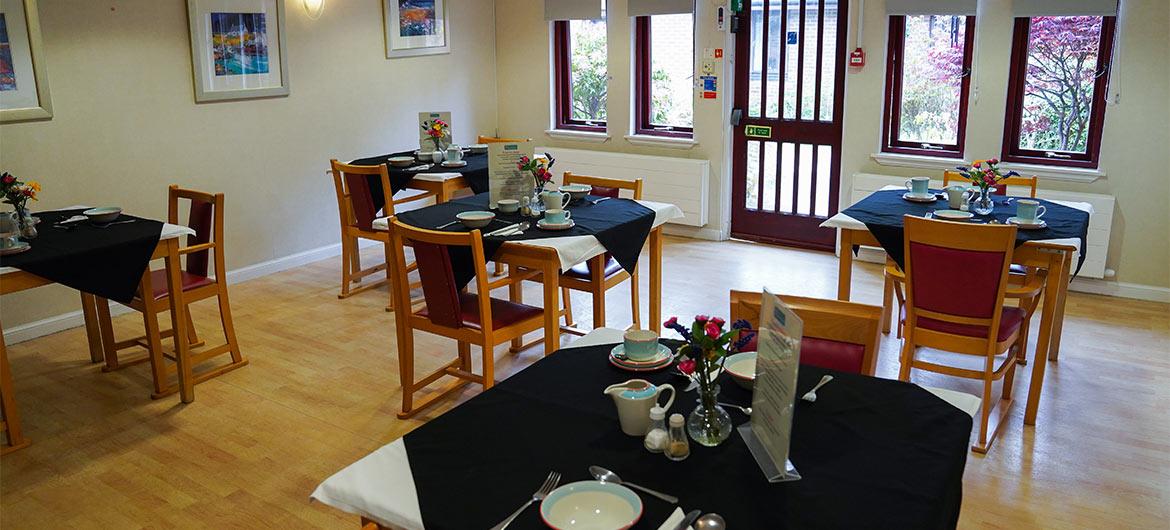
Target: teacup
{"type": "Point", "coordinates": [508, 205]}
{"type": "Point", "coordinates": [555, 200]}
{"type": "Point", "coordinates": [454, 153]}
{"type": "Point", "coordinates": [918, 185]}
{"type": "Point", "coordinates": [1029, 211]}
{"type": "Point", "coordinates": [640, 344]}
{"type": "Point", "coordinates": [557, 216]}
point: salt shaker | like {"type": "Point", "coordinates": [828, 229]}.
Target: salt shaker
{"type": "Point", "coordinates": [677, 445]}
{"type": "Point", "coordinates": [656, 437]}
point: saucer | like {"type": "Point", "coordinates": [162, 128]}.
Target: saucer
{"type": "Point", "coordinates": [1036, 224]}
{"type": "Point", "coordinates": [953, 215]}
{"type": "Point", "coordinates": [21, 246]}
{"type": "Point", "coordinates": [401, 161]}
{"type": "Point", "coordinates": [550, 226]}
{"type": "Point", "coordinates": [663, 359]}
{"type": "Point", "coordinates": [457, 163]}
{"type": "Point", "coordinates": [915, 197]}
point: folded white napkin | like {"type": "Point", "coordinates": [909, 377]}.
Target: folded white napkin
{"type": "Point", "coordinates": [675, 518]}
{"type": "Point", "coordinates": [437, 176]}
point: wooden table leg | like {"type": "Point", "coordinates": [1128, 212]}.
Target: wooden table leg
{"type": "Point", "coordinates": [1056, 274]}
{"type": "Point", "coordinates": [15, 437]}
{"type": "Point", "coordinates": [552, 303]}
{"type": "Point", "coordinates": [655, 322]}
{"type": "Point", "coordinates": [92, 327]}
{"type": "Point", "coordinates": [515, 295]}
{"type": "Point", "coordinates": [845, 265]}
{"type": "Point", "coordinates": [179, 322]}
{"type": "Point", "coordinates": [1058, 316]}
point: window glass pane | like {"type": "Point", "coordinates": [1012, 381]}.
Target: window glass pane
{"type": "Point", "coordinates": [791, 54]}
{"type": "Point", "coordinates": [775, 36]}
{"type": "Point", "coordinates": [672, 51]}
{"type": "Point", "coordinates": [587, 71]}
{"type": "Point", "coordinates": [932, 75]}
{"type": "Point", "coordinates": [755, 75]}
{"type": "Point", "coordinates": [1058, 84]}
{"type": "Point", "coordinates": [829, 62]}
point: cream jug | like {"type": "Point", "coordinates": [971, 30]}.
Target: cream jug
{"type": "Point", "coordinates": [634, 399]}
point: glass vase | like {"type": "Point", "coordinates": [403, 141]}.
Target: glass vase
{"type": "Point", "coordinates": [709, 424]}
{"type": "Point", "coordinates": [982, 203]}
{"type": "Point", "coordinates": [26, 223]}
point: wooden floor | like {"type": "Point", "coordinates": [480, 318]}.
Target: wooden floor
{"type": "Point", "coordinates": [322, 390]}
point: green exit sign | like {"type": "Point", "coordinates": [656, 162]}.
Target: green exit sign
{"type": "Point", "coordinates": [758, 131]}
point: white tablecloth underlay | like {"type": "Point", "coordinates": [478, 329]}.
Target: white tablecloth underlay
{"type": "Point", "coordinates": [169, 231]}
{"type": "Point", "coordinates": [574, 250]}
{"type": "Point", "coordinates": [380, 486]}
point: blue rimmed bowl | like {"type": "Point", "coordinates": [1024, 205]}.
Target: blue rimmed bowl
{"type": "Point", "coordinates": [591, 505]}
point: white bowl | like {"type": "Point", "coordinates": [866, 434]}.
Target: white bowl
{"type": "Point", "coordinates": [475, 219]}
{"type": "Point", "coordinates": [508, 205]}
{"type": "Point", "coordinates": [478, 148]}
{"type": "Point", "coordinates": [103, 215]}
{"type": "Point", "coordinates": [742, 368]}
{"type": "Point", "coordinates": [591, 505]}
{"type": "Point", "coordinates": [401, 161]}
{"type": "Point", "coordinates": [577, 191]}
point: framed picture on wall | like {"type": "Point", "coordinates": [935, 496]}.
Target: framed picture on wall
{"type": "Point", "coordinates": [415, 27]}
{"type": "Point", "coordinates": [24, 82]}
{"type": "Point", "coordinates": [238, 49]}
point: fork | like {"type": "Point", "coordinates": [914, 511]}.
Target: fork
{"type": "Point", "coordinates": [551, 482]}
{"type": "Point", "coordinates": [595, 201]}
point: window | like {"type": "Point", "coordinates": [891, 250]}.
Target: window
{"type": "Point", "coordinates": [927, 81]}
{"type": "Point", "coordinates": [1056, 90]}
{"type": "Point", "coordinates": [581, 77]}
{"type": "Point", "coordinates": [664, 78]}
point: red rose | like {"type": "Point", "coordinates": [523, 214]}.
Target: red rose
{"type": "Point", "coordinates": [993, 161]}
{"type": "Point", "coordinates": [9, 179]}
{"type": "Point", "coordinates": [712, 330]}
{"type": "Point", "coordinates": [672, 322]}
{"type": "Point", "coordinates": [687, 366]}
{"type": "Point", "coordinates": [702, 318]}
{"type": "Point", "coordinates": [718, 321]}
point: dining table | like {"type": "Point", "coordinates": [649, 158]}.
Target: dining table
{"type": "Point", "coordinates": [871, 452]}
{"type": "Point", "coordinates": [1057, 248]}
{"type": "Point", "coordinates": [103, 262]}
{"type": "Point", "coordinates": [442, 181]}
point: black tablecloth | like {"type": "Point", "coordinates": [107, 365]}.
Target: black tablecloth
{"type": "Point", "coordinates": [882, 214]}
{"type": "Point", "coordinates": [873, 453]}
{"type": "Point", "coordinates": [620, 225]}
{"type": "Point", "coordinates": [476, 173]}
{"type": "Point", "coordinates": [107, 262]}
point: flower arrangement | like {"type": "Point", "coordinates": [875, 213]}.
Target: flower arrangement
{"type": "Point", "coordinates": [701, 359]}
{"type": "Point", "coordinates": [438, 130]}
{"type": "Point", "coordinates": [539, 168]}
{"type": "Point", "coordinates": [18, 193]}
{"type": "Point", "coordinates": [984, 173]}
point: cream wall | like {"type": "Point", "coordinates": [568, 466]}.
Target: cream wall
{"type": "Point", "coordinates": [125, 123]}
{"type": "Point", "coordinates": [1136, 144]}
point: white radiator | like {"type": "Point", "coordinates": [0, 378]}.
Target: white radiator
{"type": "Point", "coordinates": [679, 181]}
{"type": "Point", "coordinates": [1100, 222]}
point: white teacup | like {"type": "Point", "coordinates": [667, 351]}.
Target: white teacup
{"type": "Point", "coordinates": [454, 153]}
{"type": "Point", "coordinates": [557, 216]}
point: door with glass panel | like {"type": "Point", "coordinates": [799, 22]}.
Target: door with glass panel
{"type": "Point", "coordinates": [790, 80]}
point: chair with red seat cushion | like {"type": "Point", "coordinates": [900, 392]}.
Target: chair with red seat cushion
{"type": "Point", "coordinates": [206, 220]}
{"type": "Point", "coordinates": [964, 313]}
{"type": "Point", "coordinates": [837, 335]}
{"type": "Point", "coordinates": [601, 273]}
{"type": "Point", "coordinates": [447, 311]}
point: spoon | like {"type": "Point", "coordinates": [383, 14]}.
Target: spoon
{"type": "Point", "coordinates": [517, 230]}
{"type": "Point", "coordinates": [710, 521]}
{"type": "Point", "coordinates": [745, 410]}
{"type": "Point", "coordinates": [811, 396]}
{"type": "Point", "coordinates": [605, 475]}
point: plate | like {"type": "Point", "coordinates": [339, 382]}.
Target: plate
{"type": "Point", "coordinates": [21, 246]}
{"type": "Point", "coordinates": [1027, 226]}
{"type": "Point", "coordinates": [458, 163]}
{"type": "Point", "coordinates": [591, 504]}
{"type": "Point", "coordinates": [478, 148]}
{"type": "Point", "coordinates": [953, 215]}
{"type": "Point", "coordinates": [914, 197]}
{"type": "Point", "coordinates": [549, 226]}
{"type": "Point", "coordinates": [400, 161]}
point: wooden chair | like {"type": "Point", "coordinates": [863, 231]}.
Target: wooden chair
{"type": "Point", "coordinates": [355, 204]}
{"type": "Point", "coordinates": [602, 273]}
{"type": "Point", "coordinates": [964, 314]}
{"type": "Point", "coordinates": [153, 298]}
{"type": "Point", "coordinates": [1000, 188]}
{"type": "Point", "coordinates": [494, 140]}
{"type": "Point", "coordinates": [838, 335]}
{"type": "Point", "coordinates": [450, 312]}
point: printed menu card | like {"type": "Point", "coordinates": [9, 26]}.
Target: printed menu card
{"type": "Point", "coordinates": [425, 119]}
{"type": "Point", "coordinates": [773, 401]}
{"type": "Point", "coordinates": [505, 179]}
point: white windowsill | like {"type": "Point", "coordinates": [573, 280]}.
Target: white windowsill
{"type": "Point", "coordinates": [669, 142]}
{"type": "Point", "coordinates": [580, 136]}
{"type": "Point", "coordinates": [1069, 174]}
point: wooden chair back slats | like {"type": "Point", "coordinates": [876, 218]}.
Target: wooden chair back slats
{"type": "Point", "coordinates": [605, 186]}
{"type": "Point", "coordinates": [1001, 188]}
{"type": "Point", "coordinates": [205, 217]}
{"type": "Point", "coordinates": [494, 140]}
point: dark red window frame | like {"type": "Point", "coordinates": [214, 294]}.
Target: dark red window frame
{"type": "Point", "coordinates": [1012, 152]}
{"type": "Point", "coordinates": [562, 48]}
{"type": "Point", "coordinates": [644, 89]}
{"type": "Point", "coordinates": [891, 119]}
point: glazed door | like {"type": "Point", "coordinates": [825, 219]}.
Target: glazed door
{"type": "Point", "coordinates": [790, 80]}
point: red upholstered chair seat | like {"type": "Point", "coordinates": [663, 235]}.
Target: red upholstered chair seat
{"type": "Point", "coordinates": [1009, 323]}
{"type": "Point", "coordinates": [158, 282]}
{"type": "Point", "coordinates": [825, 353]}
{"type": "Point", "coordinates": [582, 271]}
{"type": "Point", "coordinates": [504, 312]}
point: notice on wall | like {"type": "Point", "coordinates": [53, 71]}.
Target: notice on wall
{"type": "Point", "coordinates": [505, 179]}
{"type": "Point", "coordinates": [769, 435]}
{"type": "Point", "coordinates": [426, 120]}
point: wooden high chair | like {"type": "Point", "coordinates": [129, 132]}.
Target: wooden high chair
{"type": "Point", "coordinates": [153, 298]}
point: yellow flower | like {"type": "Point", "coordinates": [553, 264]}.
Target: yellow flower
{"type": "Point", "coordinates": [36, 186]}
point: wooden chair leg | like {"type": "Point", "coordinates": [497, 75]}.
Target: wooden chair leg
{"type": "Point", "coordinates": [907, 360]}
{"type": "Point", "coordinates": [465, 355]}
{"type": "Point", "coordinates": [158, 366]}
{"type": "Point", "coordinates": [634, 305]}
{"type": "Point", "coordinates": [390, 278]}
{"type": "Point", "coordinates": [355, 260]}
{"type": "Point", "coordinates": [887, 304]}
{"type": "Point", "coordinates": [981, 443]}
{"type": "Point", "coordinates": [499, 270]}
{"type": "Point", "coordinates": [599, 305]}
{"type": "Point", "coordinates": [406, 371]}
{"type": "Point", "coordinates": [229, 330]}
{"type": "Point", "coordinates": [568, 301]}
{"type": "Point", "coordinates": [489, 361]}
{"type": "Point", "coordinates": [192, 335]}
{"type": "Point", "coordinates": [515, 294]}
{"type": "Point", "coordinates": [347, 267]}
{"type": "Point", "coordinates": [106, 325]}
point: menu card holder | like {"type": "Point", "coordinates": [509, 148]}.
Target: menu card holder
{"type": "Point", "coordinates": [505, 179]}
{"type": "Point", "coordinates": [769, 433]}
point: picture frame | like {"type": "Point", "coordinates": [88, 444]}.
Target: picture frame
{"type": "Point", "coordinates": [239, 49]}
{"type": "Point", "coordinates": [24, 79]}
{"type": "Point", "coordinates": [416, 27]}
